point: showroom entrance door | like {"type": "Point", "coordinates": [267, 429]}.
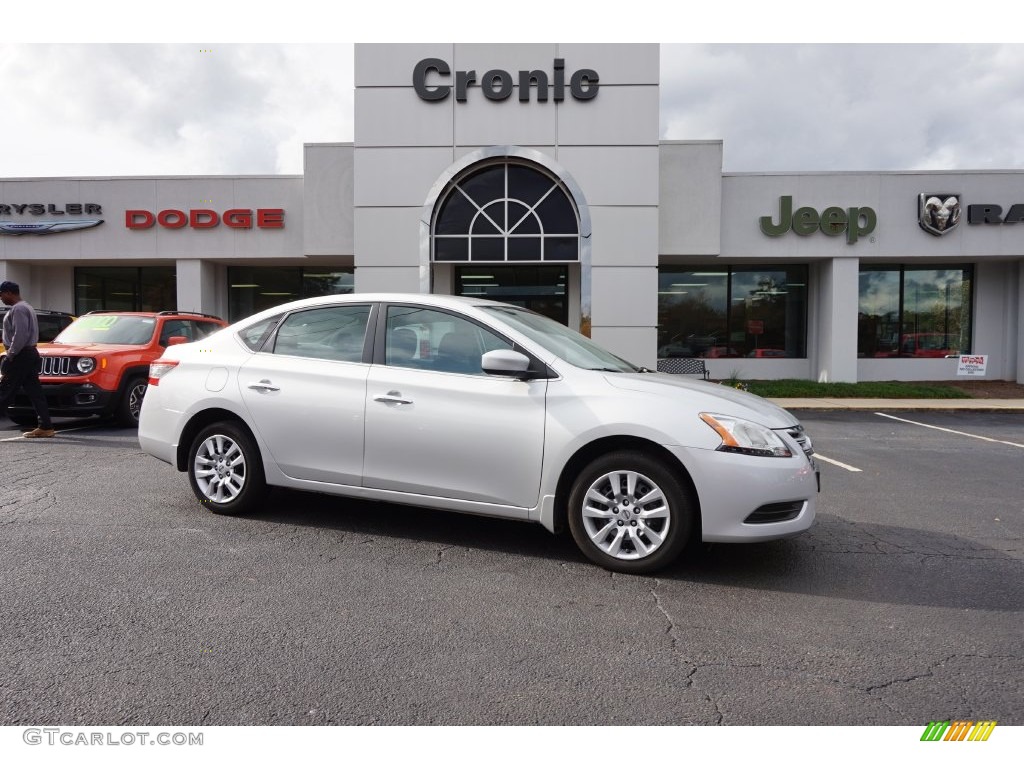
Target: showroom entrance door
{"type": "Point", "coordinates": [544, 289]}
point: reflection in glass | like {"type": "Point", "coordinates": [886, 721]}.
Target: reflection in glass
{"type": "Point", "coordinates": [326, 333]}
{"type": "Point", "coordinates": [922, 313]}
{"type": "Point", "coordinates": [540, 288]}
{"type": "Point", "coordinates": [253, 289]}
{"type": "Point", "coordinates": [732, 312]}
{"type": "Point", "coordinates": [125, 289]}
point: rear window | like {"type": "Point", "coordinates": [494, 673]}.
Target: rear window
{"type": "Point", "coordinates": [254, 336]}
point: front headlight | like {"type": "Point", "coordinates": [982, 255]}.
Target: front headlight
{"type": "Point", "coordinates": [746, 437]}
{"type": "Point", "coordinates": [86, 365]}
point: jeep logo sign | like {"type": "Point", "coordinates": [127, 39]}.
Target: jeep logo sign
{"type": "Point", "coordinates": [431, 79]}
{"type": "Point", "coordinates": [833, 221]}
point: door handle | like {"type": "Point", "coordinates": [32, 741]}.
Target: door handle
{"type": "Point", "coordinates": [392, 397]}
{"type": "Point", "coordinates": [264, 385]}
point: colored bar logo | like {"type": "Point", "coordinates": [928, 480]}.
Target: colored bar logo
{"type": "Point", "coordinates": [958, 730]}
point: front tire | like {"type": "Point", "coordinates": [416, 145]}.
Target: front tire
{"type": "Point", "coordinates": [629, 513]}
{"type": "Point", "coordinates": [131, 402]}
{"type": "Point", "coordinates": [225, 469]}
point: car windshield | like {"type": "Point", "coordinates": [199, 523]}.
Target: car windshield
{"type": "Point", "coordinates": [108, 329]}
{"type": "Point", "coordinates": [575, 348]}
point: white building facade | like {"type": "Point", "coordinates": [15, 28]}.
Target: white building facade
{"type": "Point", "coordinates": [534, 174]}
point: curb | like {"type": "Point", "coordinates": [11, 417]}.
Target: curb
{"type": "Point", "coordinates": [869, 404]}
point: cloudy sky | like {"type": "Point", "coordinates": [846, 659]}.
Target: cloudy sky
{"type": "Point", "coordinates": [93, 103]}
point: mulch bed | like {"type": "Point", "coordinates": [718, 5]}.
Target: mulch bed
{"type": "Point", "coordinates": [985, 389]}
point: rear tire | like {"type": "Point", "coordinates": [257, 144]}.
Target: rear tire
{"type": "Point", "coordinates": [225, 469]}
{"type": "Point", "coordinates": [629, 513]}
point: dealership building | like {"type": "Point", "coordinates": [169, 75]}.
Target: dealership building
{"type": "Point", "coordinates": [534, 174]}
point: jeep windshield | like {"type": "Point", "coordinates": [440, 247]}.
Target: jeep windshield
{"type": "Point", "coordinates": [108, 329]}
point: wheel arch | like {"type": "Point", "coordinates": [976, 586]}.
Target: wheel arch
{"type": "Point", "coordinates": [202, 420]}
{"type": "Point", "coordinates": [587, 453]}
{"type": "Point", "coordinates": [127, 376]}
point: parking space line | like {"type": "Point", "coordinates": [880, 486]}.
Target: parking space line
{"type": "Point", "coordinates": [951, 431]}
{"type": "Point", "coordinates": [839, 464]}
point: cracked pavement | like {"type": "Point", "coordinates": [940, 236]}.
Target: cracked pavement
{"type": "Point", "coordinates": [127, 603]}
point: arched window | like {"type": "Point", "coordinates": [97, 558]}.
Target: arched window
{"type": "Point", "coordinates": [505, 212]}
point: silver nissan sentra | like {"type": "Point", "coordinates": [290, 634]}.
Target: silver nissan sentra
{"type": "Point", "coordinates": [480, 407]}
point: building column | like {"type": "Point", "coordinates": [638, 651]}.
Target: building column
{"type": "Point", "coordinates": [625, 312]}
{"type": "Point", "coordinates": [197, 286]}
{"type": "Point", "coordinates": [22, 275]}
{"type": "Point", "coordinates": [1019, 312]}
{"type": "Point", "coordinates": [835, 356]}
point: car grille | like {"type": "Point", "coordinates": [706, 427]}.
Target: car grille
{"type": "Point", "coordinates": [803, 440]}
{"type": "Point", "coordinates": [779, 512]}
{"type": "Point", "coordinates": [56, 366]}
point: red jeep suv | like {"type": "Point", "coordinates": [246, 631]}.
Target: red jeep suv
{"type": "Point", "coordinates": [99, 365]}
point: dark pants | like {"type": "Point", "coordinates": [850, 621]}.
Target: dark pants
{"type": "Point", "coordinates": [22, 371]}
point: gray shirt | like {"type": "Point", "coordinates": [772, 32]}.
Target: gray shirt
{"type": "Point", "coordinates": [21, 329]}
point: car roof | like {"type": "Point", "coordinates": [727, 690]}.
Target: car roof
{"type": "Point", "coordinates": [426, 299]}
{"type": "Point", "coordinates": [162, 313]}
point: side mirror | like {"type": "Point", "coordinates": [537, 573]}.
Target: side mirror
{"type": "Point", "coordinates": [504, 362]}
{"type": "Point", "coordinates": [177, 340]}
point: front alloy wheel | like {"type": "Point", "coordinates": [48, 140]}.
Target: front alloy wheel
{"type": "Point", "coordinates": [224, 469]}
{"type": "Point", "coordinates": [131, 402]}
{"type": "Point", "coordinates": [628, 513]}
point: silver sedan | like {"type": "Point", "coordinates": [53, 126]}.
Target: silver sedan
{"type": "Point", "coordinates": [479, 407]}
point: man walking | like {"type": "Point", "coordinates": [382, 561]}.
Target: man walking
{"type": "Point", "coordinates": [20, 366]}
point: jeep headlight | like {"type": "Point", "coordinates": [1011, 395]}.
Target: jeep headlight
{"type": "Point", "coordinates": [85, 365]}
{"type": "Point", "coordinates": [746, 437]}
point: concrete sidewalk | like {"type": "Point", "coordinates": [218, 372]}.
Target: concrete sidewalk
{"type": "Point", "coordinates": [887, 404]}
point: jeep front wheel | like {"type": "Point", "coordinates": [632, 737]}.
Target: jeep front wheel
{"type": "Point", "coordinates": [131, 402]}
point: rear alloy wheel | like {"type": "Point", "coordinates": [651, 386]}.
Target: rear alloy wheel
{"type": "Point", "coordinates": [629, 513]}
{"type": "Point", "coordinates": [131, 402]}
{"type": "Point", "coordinates": [225, 470]}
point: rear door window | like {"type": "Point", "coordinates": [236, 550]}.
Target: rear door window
{"type": "Point", "coordinates": [325, 333]}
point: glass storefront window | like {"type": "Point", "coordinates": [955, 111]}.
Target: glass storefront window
{"type": "Point", "coordinates": [253, 289]}
{"type": "Point", "coordinates": [540, 288]}
{"type": "Point", "coordinates": [921, 312]}
{"type": "Point", "coordinates": [732, 311]}
{"type": "Point", "coordinates": [125, 289]}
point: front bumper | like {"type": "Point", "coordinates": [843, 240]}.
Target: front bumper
{"type": "Point", "coordinates": [751, 498]}
{"type": "Point", "coordinates": [71, 400]}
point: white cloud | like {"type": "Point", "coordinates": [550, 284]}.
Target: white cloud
{"type": "Point", "coordinates": [198, 109]}
{"type": "Point", "coordinates": [170, 109]}
{"type": "Point", "coordinates": [848, 107]}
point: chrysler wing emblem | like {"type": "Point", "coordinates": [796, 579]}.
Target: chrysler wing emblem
{"type": "Point", "coordinates": [938, 213]}
{"type": "Point", "coordinates": [46, 227]}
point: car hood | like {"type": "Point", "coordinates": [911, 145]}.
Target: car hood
{"type": "Point", "coordinates": [87, 350]}
{"type": "Point", "coordinates": [706, 396]}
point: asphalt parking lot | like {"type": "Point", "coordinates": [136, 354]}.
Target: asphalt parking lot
{"type": "Point", "coordinates": [125, 602]}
